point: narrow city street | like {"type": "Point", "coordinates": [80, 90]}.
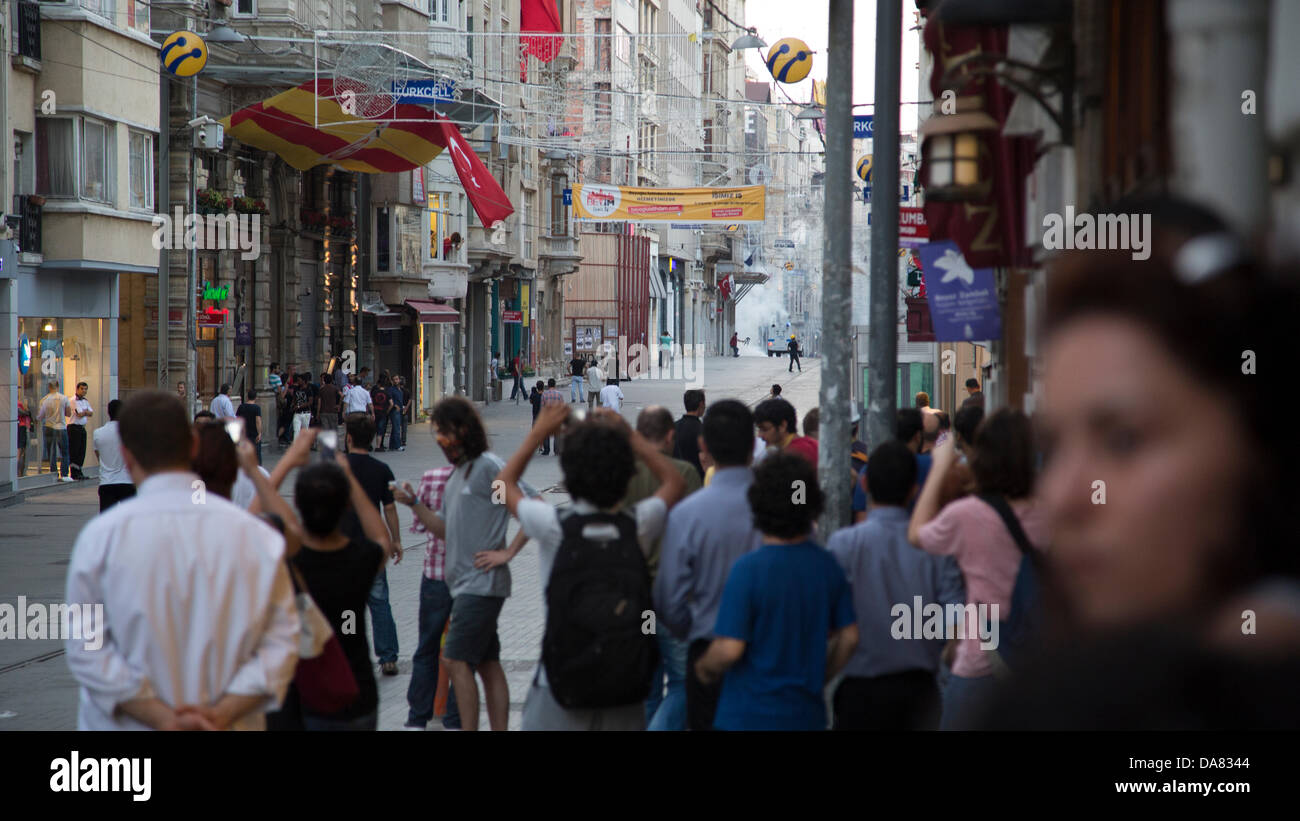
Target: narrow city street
{"type": "Point", "coordinates": [37, 692]}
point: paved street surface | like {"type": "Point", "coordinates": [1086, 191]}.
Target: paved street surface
{"type": "Point", "coordinates": [36, 536]}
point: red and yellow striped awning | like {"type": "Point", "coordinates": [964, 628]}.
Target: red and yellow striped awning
{"type": "Point", "coordinates": [285, 124]}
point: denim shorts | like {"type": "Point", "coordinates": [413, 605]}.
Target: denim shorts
{"type": "Point", "coordinates": [472, 634]}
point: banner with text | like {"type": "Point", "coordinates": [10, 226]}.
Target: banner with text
{"type": "Point", "coordinates": [616, 203]}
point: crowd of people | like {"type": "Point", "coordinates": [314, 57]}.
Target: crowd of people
{"type": "Point", "coordinates": [1117, 560]}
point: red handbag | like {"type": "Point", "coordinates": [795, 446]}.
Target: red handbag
{"type": "Point", "coordinates": [323, 677]}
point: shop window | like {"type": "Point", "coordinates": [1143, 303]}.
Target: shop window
{"type": "Point", "coordinates": [70, 350]}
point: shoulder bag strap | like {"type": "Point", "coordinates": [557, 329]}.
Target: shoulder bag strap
{"type": "Point", "coordinates": [1009, 519]}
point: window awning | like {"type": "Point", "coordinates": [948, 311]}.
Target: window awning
{"type": "Point", "coordinates": [657, 289]}
{"type": "Point", "coordinates": [433, 312]}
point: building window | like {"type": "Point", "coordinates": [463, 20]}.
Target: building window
{"type": "Point", "coordinates": [708, 74]}
{"type": "Point", "coordinates": [440, 12]}
{"type": "Point", "coordinates": [525, 230]}
{"type": "Point", "coordinates": [245, 8]}
{"type": "Point", "coordinates": [140, 169]}
{"type": "Point", "coordinates": [440, 227]}
{"type": "Point", "coordinates": [604, 108]}
{"type": "Point", "coordinates": [137, 15]}
{"type": "Point", "coordinates": [410, 249]}
{"type": "Point", "coordinates": [104, 8]}
{"type": "Point", "coordinates": [383, 240]}
{"type": "Point", "coordinates": [56, 156]}
{"type": "Point", "coordinates": [559, 211]}
{"type": "Point", "coordinates": [623, 45]}
{"type": "Point", "coordinates": [602, 45]}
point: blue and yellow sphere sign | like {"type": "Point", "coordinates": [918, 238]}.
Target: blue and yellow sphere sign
{"type": "Point", "coordinates": [864, 168]}
{"type": "Point", "coordinates": [789, 60]}
{"type": "Point", "coordinates": [184, 53]}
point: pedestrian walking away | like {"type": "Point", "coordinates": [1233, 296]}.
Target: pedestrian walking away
{"type": "Point", "coordinates": [174, 660]}
{"type": "Point", "coordinates": [115, 483]}
{"type": "Point", "coordinates": [590, 554]}
{"type": "Point", "coordinates": [793, 349]}
{"type": "Point", "coordinates": [376, 479]}
{"type": "Point", "coordinates": [53, 412]}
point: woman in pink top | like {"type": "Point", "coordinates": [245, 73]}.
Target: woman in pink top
{"type": "Point", "coordinates": [971, 531]}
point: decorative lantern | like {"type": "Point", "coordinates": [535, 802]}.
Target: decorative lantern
{"type": "Point", "coordinates": [789, 60]}
{"type": "Point", "coordinates": [183, 54]}
{"type": "Point", "coordinates": [954, 156]}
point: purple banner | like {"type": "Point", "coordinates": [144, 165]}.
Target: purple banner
{"type": "Point", "coordinates": [963, 301]}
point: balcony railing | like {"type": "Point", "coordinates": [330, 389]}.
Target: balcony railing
{"type": "Point", "coordinates": [29, 224]}
{"type": "Point", "coordinates": [27, 31]}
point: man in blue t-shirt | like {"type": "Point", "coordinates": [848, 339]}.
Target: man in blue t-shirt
{"type": "Point", "coordinates": [780, 604]}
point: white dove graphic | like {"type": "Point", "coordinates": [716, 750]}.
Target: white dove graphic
{"type": "Point", "coordinates": [955, 267]}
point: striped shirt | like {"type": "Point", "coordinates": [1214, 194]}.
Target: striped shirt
{"type": "Point", "coordinates": [430, 495]}
{"type": "Point", "coordinates": [273, 381]}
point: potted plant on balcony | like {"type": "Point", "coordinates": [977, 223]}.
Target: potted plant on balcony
{"type": "Point", "coordinates": [313, 221]}
{"type": "Point", "coordinates": [210, 201]}
{"type": "Point", "coordinates": [248, 205]}
{"type": "Point", "coordinates": [341, 225]}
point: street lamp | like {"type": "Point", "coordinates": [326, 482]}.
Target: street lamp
{"type": "Point", "coordinates": [749, 40]}
{"type": "Point", "coordinates": [223, 33]}
{"type": "Point", "coordinates": [811, 112]}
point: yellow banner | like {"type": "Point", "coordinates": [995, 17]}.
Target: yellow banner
{"type": "Point", "coordinates": [616, 203]}
{"type": "Point", "coordinates": [819, 93]}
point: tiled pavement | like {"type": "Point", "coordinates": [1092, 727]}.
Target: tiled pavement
{"type": "Point", "coordinates": [36, 536]}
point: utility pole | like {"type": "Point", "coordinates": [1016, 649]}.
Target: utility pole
{"type": "Point", "coordinates": [883, 343]}
{"type": "Point", "coordinates": [837, 282]}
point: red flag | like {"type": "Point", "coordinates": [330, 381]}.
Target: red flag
{"type": "Point", "coordinates": [489, 201]}
{"type": "Point", "coordinates": [539, 17]}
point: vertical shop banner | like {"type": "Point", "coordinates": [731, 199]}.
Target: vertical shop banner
{"type": "Point", "coordinates": [963, 300]}
{"type": "Point", "coordinates": [619, 203]}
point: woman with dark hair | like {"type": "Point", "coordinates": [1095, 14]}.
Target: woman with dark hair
{"type": "Point", "coordinates": [1168, 483]}
{"type": "Point", "coordinates": [975, 532]}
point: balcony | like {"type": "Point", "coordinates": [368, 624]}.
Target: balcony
{"type": "Point", "coordinates": [27, 36]}
{"type": "Point", "coordinates": [28, 228]}
{"type": "Point", "coordinates": [559, 254]}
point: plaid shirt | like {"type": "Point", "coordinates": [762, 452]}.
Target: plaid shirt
{"type": "Point", "coordinates": [430, 495]}
{"type": "Point", "coordinates": [552, 396]}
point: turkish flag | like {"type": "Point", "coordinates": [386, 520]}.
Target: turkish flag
{"type": "Point", "coordinates": [489, 201]}
{"type": "Point", "coordinates": [538, 17]}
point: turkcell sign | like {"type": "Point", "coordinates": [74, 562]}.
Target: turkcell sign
{"type": "Point", "coordinates": [862, 126]}
{"type": "Point", "coordinates": [424, 92]}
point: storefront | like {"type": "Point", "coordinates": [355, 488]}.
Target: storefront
{"type": "Point", "coordinates": [66, 330]}
{"type": "Point", "coordinates": [436, 332]}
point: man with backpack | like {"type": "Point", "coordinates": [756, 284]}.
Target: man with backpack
{"type": "Point", "coordinates": [383, 404]}
{"type": "Point", "coordinates": [599, 649]}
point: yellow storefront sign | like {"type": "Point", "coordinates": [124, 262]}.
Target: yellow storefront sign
{"type": "Point", "coordinates": [617, 203]}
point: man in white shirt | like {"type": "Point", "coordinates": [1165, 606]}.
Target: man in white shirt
{"type": "Point", "coordinates": [222, 407]}
{"type": "Point", "coordinates": [79, 414]}
{"type": "Point", "coordinates": [196, 626]}
{"type": "Point", "coordinates": [357, 400]}
{"type": "Point", "coordinates": [611, 396]}
{"type": "Point", "coordinates": [114, 480]}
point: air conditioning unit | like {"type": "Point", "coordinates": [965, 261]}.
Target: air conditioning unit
{"type": "Point", "coordinates": [209, 136]}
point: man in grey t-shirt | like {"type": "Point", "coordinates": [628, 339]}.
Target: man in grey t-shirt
{"type": "Point", "coordinates": [473, 519]}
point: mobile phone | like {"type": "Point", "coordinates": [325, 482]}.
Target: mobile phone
{"type": "Point", "coordinates": [236, 430]}
{"type": "Point", "coordinates": [329, 442]}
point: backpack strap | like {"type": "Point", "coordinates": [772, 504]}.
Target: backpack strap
{"type": "Point", "coordinates": [1009, 519]}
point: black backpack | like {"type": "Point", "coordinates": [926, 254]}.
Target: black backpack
{"type": "Point", "coordinates": [594, 650]}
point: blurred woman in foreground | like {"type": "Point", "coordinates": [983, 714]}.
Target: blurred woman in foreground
{"type": "Point", "coordinates": [1168, 482]}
